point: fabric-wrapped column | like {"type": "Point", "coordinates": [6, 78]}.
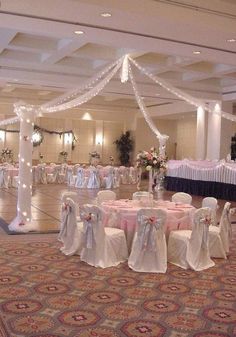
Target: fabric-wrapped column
{"type": "Point", "coordinates": [22, 222]}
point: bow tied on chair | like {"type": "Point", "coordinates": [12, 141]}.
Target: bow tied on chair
{"type": "Point", "coordinates": [89, 220]}
{"type": "Point", "coordinates": [66, 210]}
{"type": "Point", "coordinates": [206, 220]}
{"type": "Point", "coordinates": [146, 236]}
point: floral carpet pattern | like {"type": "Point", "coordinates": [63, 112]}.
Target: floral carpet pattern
{"type": "Point", "coordinates": [46, 294]}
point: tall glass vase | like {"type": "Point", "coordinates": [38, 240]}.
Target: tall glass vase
{"type": "Point", "coordinates": [159, 188]}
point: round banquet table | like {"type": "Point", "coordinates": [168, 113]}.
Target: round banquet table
{"type": "Point", "coordinates": [123, 214]}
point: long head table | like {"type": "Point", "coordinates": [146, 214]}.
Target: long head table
{"type": "Point", "coordinates": [205, 178]}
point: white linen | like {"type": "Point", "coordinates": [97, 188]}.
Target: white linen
{"type": "Point", "coordinates": [71, 233]}
{"type": "Point", "coordinates": [219, 237]}
{"type": "Point", "coordinates": [189, 249]}
{"type": "Point", "coordinates": [182, 197]}
{"type": "Point", "coordinates": [81, 181]}
{"type": "Point", "coordinates": [103, 247]}
{"type": "Point", "coordinates": [204, 170]}
{"type": "Point", "coordinates": [149, 251]}
{"type": "Point", "coordinates": [93, 180]}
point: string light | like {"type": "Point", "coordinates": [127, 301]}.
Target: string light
{"type": "Point", "coordinates": [87, 96]}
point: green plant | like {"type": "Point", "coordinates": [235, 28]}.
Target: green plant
{"type": "Point", "coordinates": [124, 145]}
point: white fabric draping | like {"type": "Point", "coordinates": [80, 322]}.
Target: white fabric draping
{"type": "Point", "coordinates": [218, 171]}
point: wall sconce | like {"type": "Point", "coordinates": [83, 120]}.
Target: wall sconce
{"type": "Point", "coordinates": [2, 136]}
{"type": "Point", "coordinates": [68, 138]}
{"type": "Point", "coordinates": [99, 139]}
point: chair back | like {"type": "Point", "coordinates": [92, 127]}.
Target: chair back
{"type": "Point", "coordinates": [71, 195]}
{"type": "Point", "coordinates": [149, 251]}
{"type": "Point", "coordinates": [80, 177]}
{"type": "Point", "coordinates": [209, 202]}
{"type": "Point", "coordinates": [94, 233]}
{"type": "Point", "coordinates": [182, 197]}
{"type": "Point", "coordinates": [94, 179]}
{"type": "Point", "coordinates": [150, 224]}
{"type": "Point", "coordinates": [213, 205]}
{"type": "Point", "coordinates": [198, 256]}
{"type": "Point", "coordinates": [140, 195]}
{"type": "Point", "coordinates": [225, 226]}
{"type": "Point", "coordinates": [68, 221]}
{"type": "Point", "coordinates": [105, 196]}
{"type": "Point", "coordinates": [144, 198]}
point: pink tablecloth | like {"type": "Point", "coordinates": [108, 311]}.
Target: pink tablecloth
{"type": "Point", "coordinates": [123, 214]}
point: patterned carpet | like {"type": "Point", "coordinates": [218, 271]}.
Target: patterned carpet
{"type": "Point", "coordinates": [46, 294]}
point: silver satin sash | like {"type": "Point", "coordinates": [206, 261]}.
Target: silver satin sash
{"type": "Point", "coordinates": [206, 221]}
{"type": "Point", "coordinates": [147, 232]}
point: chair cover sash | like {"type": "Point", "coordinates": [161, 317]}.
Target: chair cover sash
{"type": "Point", "coordinates": [147, 232]}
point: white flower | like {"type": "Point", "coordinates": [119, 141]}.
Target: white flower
{"type": "Point", "coordinates": [148, 168]}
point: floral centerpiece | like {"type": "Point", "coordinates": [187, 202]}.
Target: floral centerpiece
{"type": "Point", "coordinates": [63, 154]}
{"type": "Point", "coordinates": [156, 164]}
{"type": "Point", "coordinates": [94, 157]}
{"type": "Point", "coordinates": [7, 155]}
{"type": "Point", "coordinates": [152, 161]}
{"type": "Point", "coordinates": [111, 159]}
{"type": "Point", "coordinates": [94, 154]}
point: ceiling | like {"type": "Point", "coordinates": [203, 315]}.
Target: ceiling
{"type": "Point", "coordinates": [41, 57]}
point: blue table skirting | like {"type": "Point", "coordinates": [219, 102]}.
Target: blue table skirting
{"type": "Point", "coordinates": [203, 188]}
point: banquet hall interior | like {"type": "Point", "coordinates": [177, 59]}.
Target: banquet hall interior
{"type": "Point", "coordinates": [75, 77]}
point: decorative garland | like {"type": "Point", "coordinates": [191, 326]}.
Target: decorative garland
{"type": "Point", "coordinates": [40, 130]}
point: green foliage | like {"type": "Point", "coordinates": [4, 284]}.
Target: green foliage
{"type": "Point", "coordinates": [124, 145]}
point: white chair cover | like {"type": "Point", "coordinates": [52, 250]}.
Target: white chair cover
{"type": "Point", "coordinates": [40, 174]}
{"type": "Point", "coordinates": [109, 180]}
{"type": "Point", "coordinates": [182, 197]}
{"type": "Point", "coordinates": [93, 180]}
{"type": "Point", "coordinates": [189, 249]}
{"type": "Point", "coordinates": [149, 251]}
{"type": "Point", "coordinates": [104, 196]}
{"type": "Point", "coordinates": [133, 175]}
{"type": "Point", "coordinates": [219, 237]}
{"type": "Point", "coordinates": [82, 180]}
{"type": "Point", "coordinates": [212, 203]}
{"type": "Point", "coordinates": [71, 233]}
{"type": "Point", "coordinates": [103, 247]}
{"type": "Point", "coordinates": [15, 181]}
{"type": "Point", "coordinates": [116, 177]}
{"type": "Point", "coordinates": [4, 177]}
{"type": "Point", "coordinates": [71, 178]}
{"type": "Point", "coordinates": [124, 175]}
{"type": "Point", "coordinates": [62, 174]}
{"type": "Point", "coordinates": [145, 198]}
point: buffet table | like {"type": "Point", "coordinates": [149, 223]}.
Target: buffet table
{"type": "Point", "coordinates": [206, 178]}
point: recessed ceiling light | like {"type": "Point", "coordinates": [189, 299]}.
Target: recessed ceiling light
{"type": "Point", "coordinates": [106, 15]}
{"type": "Point", "coordinates": [78, 32]}
{"type": "Point", "coordinates": [231, 40]}
{"type": "Point", "coordinates": [196, 52]}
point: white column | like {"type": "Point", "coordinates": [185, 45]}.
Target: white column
{"type": "Point", "coordinates": [68, 139]}
{"type": "Point", "coordinates": [99, 139]}
{"type": "Point", "coordinates": [162, 144]}
{"type": "Point", "coordinates": [200, 134]}
{"type": "Point", "coordinates": [214, 132]}
{"type": "Point", "coordinates": [22, 222]}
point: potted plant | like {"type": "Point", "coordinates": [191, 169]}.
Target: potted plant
{"type": "Point", "coordinates": [124, 145]}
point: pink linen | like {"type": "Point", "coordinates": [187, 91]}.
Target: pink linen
{"type": "Point", "coordinates": [123, 214]}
